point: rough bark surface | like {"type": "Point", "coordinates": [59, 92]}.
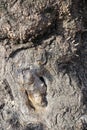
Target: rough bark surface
{"type": "Point", "coordinates": [43, 65]}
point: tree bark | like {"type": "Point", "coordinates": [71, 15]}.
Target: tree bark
{"type": "Point", "coordinates": [43, 65]}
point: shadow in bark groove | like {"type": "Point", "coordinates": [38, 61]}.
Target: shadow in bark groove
{"type": "Point", "coordinates": [34, 127]}
{"type": "Point", "coordinates": [14, 121]}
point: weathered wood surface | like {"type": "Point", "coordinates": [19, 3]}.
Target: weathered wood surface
{"type": "Point", "coordinates": [43, 65]}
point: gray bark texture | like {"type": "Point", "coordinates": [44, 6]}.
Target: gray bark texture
{"type": "Point", "coordinates": [43, 64]}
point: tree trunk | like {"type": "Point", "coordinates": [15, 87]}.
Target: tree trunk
{"type": "Point", "coordinates": [43, 65]}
